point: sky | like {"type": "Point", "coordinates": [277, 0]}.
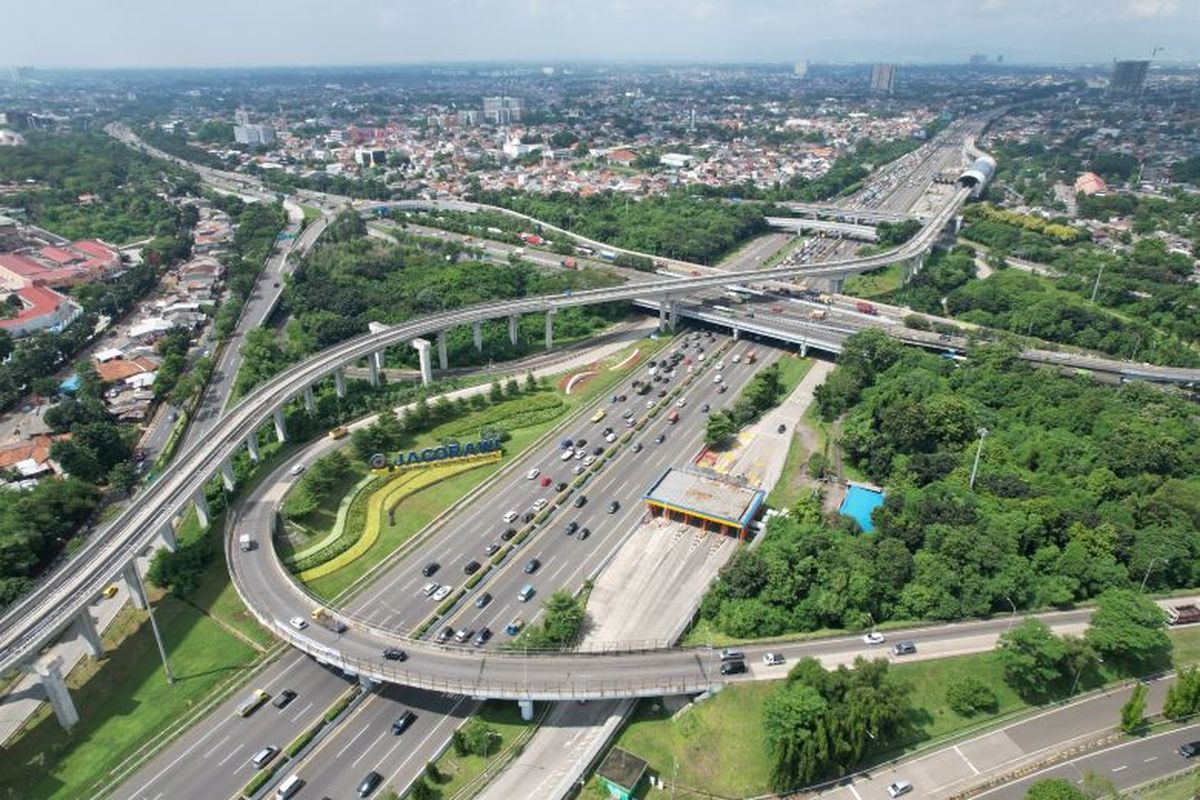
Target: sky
{"type": "Point", "coordinates": [249, 33]}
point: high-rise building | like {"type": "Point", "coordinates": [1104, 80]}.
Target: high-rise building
{"type": "Point", "coordinates": [503, 110]}
{"type": "Point", "coordinates": [253, 134]}
{"type": "Point", "coordinates": [801, 68]}
{"type": "Point", "coordinates": [883, 78]}
{"type": "Point", "coordinates": [977, 59]}
{"type": "Point", "coordinates": [241, 117]}
{"type": "Point", "coordinates": [1128, 77]}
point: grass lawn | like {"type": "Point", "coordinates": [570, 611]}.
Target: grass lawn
{"type": "Point", "coordinates": [1187, 646]}
{"type": "Point", "coordinates": [929, 679]}
{"type": "Point", "coordinates": [875, 282]}
{"type": "Point", "coordinates": [791, 371]}
{"type": "Point", "coordinates": [1181, 787]}
{"type": "Point", "coordinates": [310, 214]}
{"type": "Point", "coordinates": [458, 770]}
{"type": "Point", "coordinates": [129, 699]}
{"type": "Point", "coordinates": [788, 490]}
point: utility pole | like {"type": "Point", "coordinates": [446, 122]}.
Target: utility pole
{"type": "Point", "coordinates": [983, 432]}
{"type": "Point", "coordinates": [162, 650]}
{"type": "Point", "coordinates": [1096, 285]}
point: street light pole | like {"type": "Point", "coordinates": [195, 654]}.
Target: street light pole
{"type": "Point", "coordinates": [983, 432]}
{"type": "Point", "coordinates": [1012, 617]}
{"type": "Point", "coordinates": [1149, 567]}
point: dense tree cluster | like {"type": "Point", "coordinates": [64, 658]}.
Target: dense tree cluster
{"type": "Point", "coordinates": [820, 723]}
{"type": "Point", "coordinates": [558, 628]}
{"type": "Point", "coordinates": [257, 226]}
{"type": "Point", "coordinates": [674, 225]}
{"type": "Point", "coordinates": [1081, 488]}
{"type": "Point", "coordinates": [34, 528]}
{"type": "Point", "coordinates": [762, 393]}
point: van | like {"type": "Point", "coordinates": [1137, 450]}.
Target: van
{"type": "Point", "coordinates": [245, 543]}
{"type": "Point", "coordinates": [262, 757]}
{"type": "Point", "coordinates": [289, 788]}
{"type": "Point", "coordinates": [526, 593]}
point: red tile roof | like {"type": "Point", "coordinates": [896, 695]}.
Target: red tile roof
{"type": "Point", "coordinates": [35, 447]}
{"type": "Point", "coordinates": [40, 301]}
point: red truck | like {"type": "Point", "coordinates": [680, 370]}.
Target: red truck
{"type": "Point", "coordinates": [865, 307]}
{"type": "Point", "coordinates": [532, 238]}
{"type": "Point", "coordinates": [751, 357]}
{"type": "Point", "coordinates": [568, 262]}
{"type": "Point", "coordinates": [1183, 615]}
{"type": "Point", "coordinates": [673, 417]}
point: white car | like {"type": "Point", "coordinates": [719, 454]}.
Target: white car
{"type": "Point", "coordinates": [430, 588]}
{"type": "Point", "coordinates": [510, 516]}
{"type": "Point", "coordinates": [539, 504]}
{"type": "Point", "coordinates": [297, 470]}
{"type": "Point", "coordinates": [578, 469]}
{"type": "Point", "coordinates": [442, 593]}
{"type": "Point", "coordinates": [580, 455]}
{"type": "Point", "coordinates": [299, 623]}
{"type": "Point", "coordinates": [737, 359]}
{"type": "Point", "coordinates": [720, 365]}
{"type": "Point", "coordinates": [681, 402]}
{"type": "Point", "coordinates": [533, 473]}
{"type": "Point", "coordinates": [610, 438]}
{"type": "Point", "coordinates": [874, 637]}
{"type": "Point", "coordinates": [898, 788]}
{"type": "Point", "coordinates": [717, 378]}
{"type": "Point", "coordinates": [587, 462]}
{"type": "Point", "coordinates": [772, 659]}
{"type": "Point", "coordinates": [567, 455]}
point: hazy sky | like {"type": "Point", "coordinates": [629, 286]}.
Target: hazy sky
{"type": "Point", "coordinates": [193, 33]}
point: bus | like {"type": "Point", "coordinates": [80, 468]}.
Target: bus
{"type": "Point", "coordinates": [726, 310]}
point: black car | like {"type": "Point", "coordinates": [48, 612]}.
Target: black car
{"type": "Point", "coordinates": [613, 506]}
{"type": "Point", "coordinates": [581, 501]}
{"type": "Point", "coordinates": [370, 783]}
{"type": "Point", "coordinates": [395, 654]}
{"type": "Point", "coordinates": [781, 428]}
{"type": "Point", "coordinates": [607, 431]}
{"type": "Point", "coordinates": [904, 648]}
{"type": "Point", "coordinates": [283, 698]}
{"type": "Point", "coordinates": [402, 722]}
{"type": "Point", "coordinates": [482, 637]}
{"type": "Point", "coordinates": [572, 526]}
{"type": "Point", "coordinates": [637, 447]}
{"type": "Point", "coordinates": [430, 568]}
{"type": "Point", "coordinates": [483, 600]}
{"type": "Point", "coordinates": [561, 487]}
{"type": "Point", "coordinates": [471, 567]}
{"type": "Point", "coordinates": [584, 533]}
{"type": "Point", "coordinates": [445, 634]}
{"type": "Point", "coordinates": [1190, 749]}
{"type": "Point", "coordinates": [733, 667]}
{"type": "Point", "coordinates": [529, 515]}
{"type": "Point", "coordinates": [580, 442]}
{"type": "Point", "coordinates": [508, 534]}
{"type": "Point", "coordinates": [704, 408]}
{"type": "Point", "coordinates": [599, 451]}
{"type": "Point", "coordinates": [531, 566]}
{"type": "Point", "coordinates": [491, 549]}
{"type": "Point", "coordinates": [659, 439]}
{"type": "Point", "coordinates": [662, 392]}
{"type": "Point", "coordinates": [621, 398]}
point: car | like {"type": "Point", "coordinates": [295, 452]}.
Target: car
{"type": "Point", "coordinates": [587, 462]}
{"type": "Point", "coordinates": [772, 659]}
{"type": "Point", "coordinates": [662, 392]}
{"type": "Point", "coordinates": [571, 527]}
{"type": "Point", "coordinates": [637, 447]}
{"type": "Point", "coordinates": [251, 703]}
{"type": "Point", "coordinates": [514, 627]}
{"type": "Point", "coordinates": [526, 593]}
{"type": "Point", "coordinates": [283, 698]}
{"type": "Point", "coordinates": [581, 501]}
{"type": "Point", "coordinates": [1190, 749]}
{"type": "Point", "coordinates": [874, 637]}
{"type": "Point", "coordinates": [299, 623]}
{"type": "Point", "coordinates": [598, 450]}
{"type": "Point", "coordinates": [528, 516]}
{"type": "Point", "coordinates": [566, 444]}
{"type": "Point", "coordinates": [717, 378]}
{"type": "Point", "coordinates": [483, 600]}
{"type": "Point", "coordinates": [904, 648]}
{"type": "Point", "coordinates": [606, 431]}
{"type": "Point", "coordinates": [482, 637]}
{"type": "Point", "coordinates": [540, 503]}
{"type": "Point", "coordinates": [401, 723]}
{"type": "Point", "coordinates": [584, 533]}
{"type": "Point", "coordinates": [579, 468]}
{"type": "Point", "coordinates": [464, 635]}
{"type": "Point", "coordinates": [546, 480]}
{"type": "Point", "coordinates": [444, 635]}
{"type": "Point", "coordinates": [581, 442]}
{"type": "Point", "coordinates": [264, 756]}
{"type": "Point", "coordinates": [660, 439]}
{"type": "Point", "coordinates": [508, 534]}
{"type": "Point", "coordinates": [722, 389]}
{"type": "Point", "coordinates": [110, 590]}
{"type": "Point", "coordinates": [731, 655]}
{"type": "Point", "coordinates": [567, 454]}
{"type": "Point", "coordinates": [579, 454]}
{"type": "Point", "coordinates": [431, 587]}
{"type": "Point", "coordinates": [897, 788]}
{"type": "Point", "coordinates": [297, 470]}
{"type": "Point", "coordinates": [442, 593]}
{"type": "Point", "coordinates": [650, 403]}
{"type": "Point", "coordinates": [733, 667]}
{"type": "Point", "coordinates": [781, 428]}
{"type": "Point", "coordinates": [394, 654]}
{"type": "Point", "coordinates": [533, 473]}
{"type": "Point", "coordinates": [471, 567]}
{"type": "Point", "coordinates": [610, 438]}
{"type": "Point", "coordinates": [491, 549]}
{"type": "Point", "coordinates": [704, 409]}
{"type": "Point", "coordinates": [628, 413]}
{"type": "Point", "coordinates": [369, 783]}
{"type": "Point", "coordinates": [681, 402]}
{"type": "Point", "coordinates": [510, 516]}
{"type": "Point", "coordinates": [430, 568]}
{"type": "Point", "coordinates": [629, 423]}
{"type": "Point", "coordinates": [613, 506]}
{"type": "Point", "coordinates": [531, 566]}
{"type": "Point", "coordinates": [561, 486]}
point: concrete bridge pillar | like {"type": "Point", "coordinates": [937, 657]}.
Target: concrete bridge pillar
{"type": "Point", "coordinates": [550, 328]}
{"type": "Point", "coordinates": [167, 534]}
{"type": "Point", "coordinates": [339, 381]}
{"type": "Point", "coordinates": [512, 329]}
{"type": "Point", "coordinates": [662, 314]}
{"type": "Point", "coordinates": [310, 400]}
{"type": "Point", "coordinates": [201, 507]}
{"type": "Point", "coordinates": [280, 425]}
{"type": "Point", "coordinates": [252, 446]}
{"type": "Point", "coordinates": [477, 335]}
{"type": "Point", "coordinates": [918, 261]}
{"type": "Point", "coordinates": [526, 707]}
{"type": "Point", "coordinates": [89, 633]}
{"type": "Point", "coordinates": [137, 593]}
{"type": "Point", "coordinates": [803, 349]}
{"type": "Point", "coordinates": [372, 371]}
{"type": "Point", "coordinates": [227, 476]}
{"type": "Point", "coordinates": [737, 334]}
{"type": "Point", "coordinates": [56, 689]}
{"type": "Point", "coordinates": [673, 315]}
{"type": "Point", "coordinates": [422, 346]}
{"type": "Point", "coordinates": [837, 283]}
{"type": "Point", "coordinates": [443, 357]}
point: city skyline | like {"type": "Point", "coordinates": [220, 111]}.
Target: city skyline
{"type": "Point", "coordinates": [272, 33]}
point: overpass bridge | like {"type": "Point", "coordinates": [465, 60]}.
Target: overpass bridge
{"type": "Point", "coordinates": [844, 214]}
{"type": "Point", "coordinates": [849, 230]}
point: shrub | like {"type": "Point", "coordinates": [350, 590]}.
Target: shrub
{"type": "Point", "coordinates": [969, 696]}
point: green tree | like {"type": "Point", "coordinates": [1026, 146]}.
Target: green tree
{"type": "Point", "coordinates": [1133, 713]}
{"type": "Point", "coordinates": [495, 393]}
{"type": "Point", "coordinates": [421, 790]}
{"type": "Point", "coordinates": [1054, 789]}
{"type": "Point", "coordinates": [480, 738]}
{"type": "Point", "coordinates": [1129, 629]}
{"type": "Point", "coordinates": [432, 772]}
{"type": "Point", "coordinates": [1033, 659]}
{"type": "Point", "coordinates": [1183, 696]}
{"type": "Point", "coordinates": [969, 696]}
{"type": "Point", "coordinates": [122, 477]}
{"type": "Point", "coordinates": [719, 430]}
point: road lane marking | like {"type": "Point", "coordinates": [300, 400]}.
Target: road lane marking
{"type": "Point", "coordinates": [368, 749]}
{"type": "Point", "coordinates": [351, 742]}
{"type": "Point", "coordinates": [854, 791]}
{"type": "Point", "coordinates": [216, 747]}
{"type": "Point", "coordinates": [303, 711]}
{"type": "Point", "coordinates": [232, 753]}
{"type": "Point", "coordinates": [1148, 760]}
{"type": "Point", "coordinates": [1118, 769]}
{"type": "Point", "coordinates": [448, 716]}
{"type": "Point", "coordinates": [966, 760]}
